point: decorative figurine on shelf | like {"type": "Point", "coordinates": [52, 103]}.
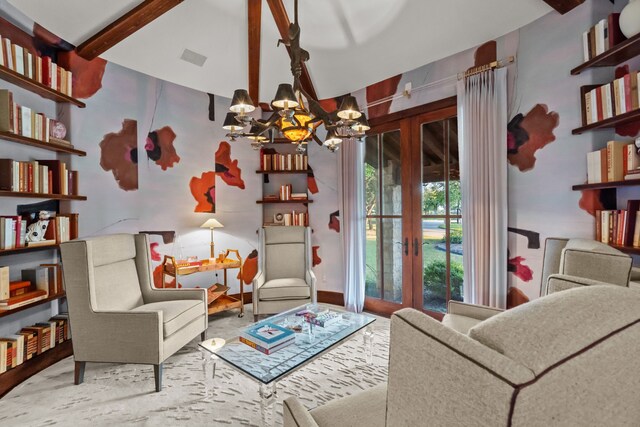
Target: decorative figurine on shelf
{"type": "Point", "coordinates": [37, 230]}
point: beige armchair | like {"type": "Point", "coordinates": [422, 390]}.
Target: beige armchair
{"type": "Point", "coordinates": [285, 279]}
{"type": "Point", "coordinates": [115, 313]}
{"type": "Point", "coordinates": [567, 263]}
{"type": "Point", "coordinates": [565, 359]}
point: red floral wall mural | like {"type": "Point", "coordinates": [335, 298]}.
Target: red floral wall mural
{"type": "Point", "coordinates": [334, 221]}
{"type": "Point", "coordinates": [160, 149]}
{"type": "Point", "coordinates": [528, 134]}
{"type": "Point", "coordinates": [119, 155]}
{"type": "Point", "coordinates": [87, 75]}
{"type": "Point", "coordinates": [312, 185]}
{"type": "Point", "coordinates": [203, 189]}
{"type": "Point", "coordinates": [316, 257]}
{"type": "Point", "coordinates": [226, 168]}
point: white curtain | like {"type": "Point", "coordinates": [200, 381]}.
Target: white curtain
{"type": "Point", "coordinates": [482, 136]}
{"type": "Point", "coordinates": [352, 224]}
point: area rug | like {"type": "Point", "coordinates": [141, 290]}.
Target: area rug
{"type": "Point", "coordinates": [124, 394]}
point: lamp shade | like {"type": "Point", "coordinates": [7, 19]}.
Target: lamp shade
{"type": "Point", "coordinates": [349, 108]}
{"type": "Point", "coordinates": [241, 102]}
{"type": "Point", "coordinates": [230, 123]}
{"type": "Point", "coordinates": [332, 139]}
{"type": "Point", "coordinates": [285, 97]}
{"type": "Point", "coordinates": [361, 125]}
{"type": "Point", "coordinates": [212, 223]}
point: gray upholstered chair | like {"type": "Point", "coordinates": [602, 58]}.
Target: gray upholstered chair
{"type": "Point", "coordinates": [285, 279]}
{"type": "Point", "coordinates": [566, 359]}
{"type": "Point", "coordinates": [115, 313]}
{"type": "Point", "coordinates": [567, 263]}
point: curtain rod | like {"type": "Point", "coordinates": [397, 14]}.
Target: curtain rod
{"type": "Point", "coordinates": [496, 64]}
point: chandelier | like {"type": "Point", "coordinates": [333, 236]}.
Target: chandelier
{"type": "Point", "coordinates": [296, 114]}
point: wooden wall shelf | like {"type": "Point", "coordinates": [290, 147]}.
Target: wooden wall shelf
{"type": "Point", "coordinates": [602, 185]}
{"type": "Point", "coordinates": [627, 249]}
{"type": "Point", "coordinates": [4, 193]}
{"type": "Point", "coordinates": [31, 85]}
{"type": "Point", "coordinates": [265, 202]}
{"type": "Point", "coordinates": [283, 172]}
{"type": "Point", "coordinates": [614, 56]}
{"type": "Point", "coordinates": [8, 136]}
{"type": "Point", "coordinates": [631, 116]}
{"type": "Point", "coordinates": [4, 313]}
{"type": "Point", "coordinates": [15, 376]}
{"type": "Point", "coordinates": [27, 249]}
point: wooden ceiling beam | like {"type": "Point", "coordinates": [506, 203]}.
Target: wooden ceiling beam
{"type": "Point", "coordinates": [282, 22]}
{"type": "Point", "coordinates": [123, 27]}
{"type": "Point", "coordinates": [254, 24]}
{"type": "Point", "coordinates": [564, 6]}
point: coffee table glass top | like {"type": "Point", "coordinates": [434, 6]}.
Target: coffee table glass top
{"type": "Point", "coordinates": [311, 342]}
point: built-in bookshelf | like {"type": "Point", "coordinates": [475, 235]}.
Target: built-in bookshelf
{"type": "Point", "coordinates": [284, 173]}
{"type": "Point", "coordinates": [44, 78]}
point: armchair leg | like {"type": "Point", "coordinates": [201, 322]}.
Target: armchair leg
{"type": "Point", "coordinates": [157, 373]}
{"type": "Point", "coordinates": [255, 317]}
{"type": "Point", "coordinates": [78, 375]}
{"type": "Point", "coordinates": [203, 335]}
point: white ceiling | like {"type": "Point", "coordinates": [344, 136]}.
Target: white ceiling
{"type": "Point", "coordinates": [353, 43]}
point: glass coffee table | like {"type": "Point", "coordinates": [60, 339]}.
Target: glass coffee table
{"type": "Point", "coordinates": [311, 342]}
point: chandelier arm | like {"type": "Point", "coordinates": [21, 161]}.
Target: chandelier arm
{"type": "Point", "coordinates": [316, 139]}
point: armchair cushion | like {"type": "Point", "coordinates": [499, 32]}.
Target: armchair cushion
{"type": "Point", "coordinates": [362, 409]}
{"type": "Point", "coordinates": [278, 289]}
{"type": "Point", "coordinates": [175, 314]}
{"type": "Point", "coordinates": [459, 323]}
{"type": "Point", "coordinates": [548, 330]}
{"type": "Point", "coordinates": [285, 260]}
{"type": "Point", "coordinates": [116, 286]}
{"type": "Point", "coordinates": [595, 260]}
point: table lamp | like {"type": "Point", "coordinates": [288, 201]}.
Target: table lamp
{"type": "Point", "coordinates": [212, 223]}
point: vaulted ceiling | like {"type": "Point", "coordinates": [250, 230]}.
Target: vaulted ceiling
{"type": "Point", "coordinates": [353, 43]}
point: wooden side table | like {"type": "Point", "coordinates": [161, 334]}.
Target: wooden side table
{"type": "Point", "coordinates": [217, 297]}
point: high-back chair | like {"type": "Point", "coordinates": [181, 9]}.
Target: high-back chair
{"type": "Point", "coordinates": [285, 279]}
{"type": "Point", "coordinates": [115, 313]}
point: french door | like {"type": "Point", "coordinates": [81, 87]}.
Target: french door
{"type": "Point", "coordinates": [413, 222]}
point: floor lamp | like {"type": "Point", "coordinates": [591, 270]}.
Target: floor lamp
{"type": "Point", "coordinates": [212, 223]}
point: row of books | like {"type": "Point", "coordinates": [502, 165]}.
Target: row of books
{"type": "Point", "coordinates": [24, 121]}
{"type": "Point", "coordinates": [38, 176]}
{"type": "Point", "coordinates": [612, 99]}
{"type": "Point", "coordinates": [36, 284]}
{"type": "Point", "coordinates": [13, 231]}
{"type": "Point", "coordinates": [267, 337]}
{"type": "Point", "coordinates": [619, 227]}
{"type": "Point", "coordinates": [39, 68]}
{"type": "Point", "coordinates": [294, 218]}
{"type": "Point", "coordinates": [283, 162]}
{"type": "Point", "coordinates": [618, 161]}
{"type": "Point", "coordinates": [33, 340]}
{"type": "Point", "coordinates": [602, 36]}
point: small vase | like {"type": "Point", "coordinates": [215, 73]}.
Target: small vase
{"type": "Point", "coordinates": [630, 19]}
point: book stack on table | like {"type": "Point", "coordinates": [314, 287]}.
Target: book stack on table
{"type": "Point", "coordinates": [323, 319]}
{"type": "Point", "coordinates": [267, 337]}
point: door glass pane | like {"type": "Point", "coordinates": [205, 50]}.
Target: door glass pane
{"type": "Point", "coordinates": [433, 168]}
{"type": "Point", "coordinates": [373, 286]}
{"type": "Point", "coordinates": [371, 175]}
{"type": "Point", "coordinates": [391, 174]}
{"type": "Point", "coordinates": [456, 275]}
{"type": "Point", "coordinates": [434, 256]}
{"type": "Point", "coordinates": [392, 259]}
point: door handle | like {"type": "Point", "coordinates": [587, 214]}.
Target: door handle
{"type": "Point", "coordinates": [415, 246]}
{"type": "Point", "coordinates": [406, 246]}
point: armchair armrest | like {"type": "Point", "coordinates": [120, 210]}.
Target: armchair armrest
{"type": "Point", "coordinates": [157, 295]}
{"type": "Point", "coordinates": [118, 336]}
{"type": "Point", "coordinates": [562, 282]}
{"type": "Point", "coordinates": [296, 415]}
{"type": "Point", "coordinates": [310, 278]}
{"type": "Point", "coordinates": [480, 312]}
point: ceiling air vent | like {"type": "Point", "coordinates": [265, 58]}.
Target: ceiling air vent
{"type": "Point", "coordinates": [193, 57]}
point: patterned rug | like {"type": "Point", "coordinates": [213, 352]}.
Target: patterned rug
{"type": "Point", "coordinates": [124, 394]}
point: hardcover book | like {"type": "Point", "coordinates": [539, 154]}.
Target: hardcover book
{"type": "Point", "coordinates": [267, 335]}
